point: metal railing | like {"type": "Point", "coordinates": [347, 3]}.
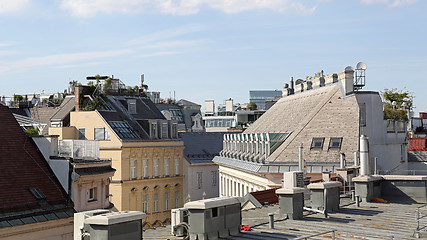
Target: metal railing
{"type": "Point", "coordinates": [78, 149]}
{"type": "Point", "coordinates": [318, 234]}
{"type": "Point", "coordinates": [418, 217]}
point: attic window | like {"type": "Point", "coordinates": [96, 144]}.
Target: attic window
{"type": "Point", "coordinates": [37, 193]}
{"type": "Point", "coordinates": [132, 106]}
{"type": "Point", "coordinates": [335, 143]}
{"type": "Point", "coordinates": [123, 130]}
{"type": "Point", "coordinates": [317, 143]}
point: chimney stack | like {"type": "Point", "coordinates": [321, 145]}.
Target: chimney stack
{"type": "Point", "coordinates": [364, 155]}
{"type": "Point", "coordinates": [77, 92]}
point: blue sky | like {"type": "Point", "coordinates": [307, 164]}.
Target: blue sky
{"type": "Point", "coordinates": [211, 49]}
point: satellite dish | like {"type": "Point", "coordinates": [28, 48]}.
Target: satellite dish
{"type": "Point", "coordinates": [361, 66]}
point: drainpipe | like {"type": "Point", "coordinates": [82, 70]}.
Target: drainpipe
{"type": "Point", "coordinates": [300, 157]}
{"type": "Point", "coordinates": [364, 156]}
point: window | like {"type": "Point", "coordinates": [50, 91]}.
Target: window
{"type": "Point", "coordinates": [82, 134]}
{"type": "Point", "coordinates": [144, 168]}
{"type": "Point", "coordinates": [317, 143]}
{"type": "Point", "coordinates": [199, 180]}
{"type": "Point", "coordinates": [174, 132]}
{"type": "Point", "coordinates": [177, 167]}
{"type": "Point", "coordinates": [101, 134]}
{"type": "Point", "coordinates": [166, 167]}
{"type": "Point", "coordinates": [153, 130]}
{"type": "Point", "coordinates": [156, 202]}
{"type": "Point", "coordinates": [335, 143]}
{"type": "Point", "coordinates": [123, 130]}
{"type": "Point", "coordinates": [164, 130]}
{"type": "Point", "coordinates": [91, 195]}
{"type": "Point", "coordinates": [362, 114]}
{"type": "Point", "coordinates": [145, 203]}
{"type": "Point", "coordinates": [166, 201]}
{"type": "Point", "coordinates": [177, 199]}
{"type": "Point", "coordinates": [133, 169]}
{"type": "Point", "coordinates": [214, 177]}
{"type": "Point", "coordinates": [156, 168]}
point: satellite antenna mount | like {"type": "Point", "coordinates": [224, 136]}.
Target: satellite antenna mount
{"type": "Point", "coordinates": [359, 81]}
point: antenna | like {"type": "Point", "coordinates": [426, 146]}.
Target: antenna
{"type": "Point", "coordinates": [359, 81]}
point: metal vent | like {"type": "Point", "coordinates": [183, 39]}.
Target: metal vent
{"type": "Point", "coordinates": [37, 193]}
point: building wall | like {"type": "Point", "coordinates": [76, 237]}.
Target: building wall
{"type": "Point", "coordinates": [63, 132]}
{"type": "Point", "coordinates": [61, 229]}
{"type": "Point", "coordinates": [83, 184]}
{"type": "Point", "coordinates": [238, 183]}
{"type": "Point", "coordinates": [209, 184]}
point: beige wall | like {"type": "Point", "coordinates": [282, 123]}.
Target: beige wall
{"type": "Point", "coordinates": [80, 192]}
{"type": "Point", "coordinates": [63, 132]}
{"type": "Point", "coordinates": [61, 229]}
{"type": "Point", "coordinates": [122, 153]}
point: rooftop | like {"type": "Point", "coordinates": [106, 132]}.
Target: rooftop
{"type": "Point", "coordinates": [369, 221]}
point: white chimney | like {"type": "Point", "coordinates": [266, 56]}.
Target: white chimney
{"type": "Point", "coordinates": [364, 155]}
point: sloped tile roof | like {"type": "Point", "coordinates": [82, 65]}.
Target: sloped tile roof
{"type": "Point", "coordinates": [201, 146]}
{"type": "Point", "coordinates": [22, 168]}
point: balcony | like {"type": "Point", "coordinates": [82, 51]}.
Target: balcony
{"type": "Point", "coordinates": [79, 149]}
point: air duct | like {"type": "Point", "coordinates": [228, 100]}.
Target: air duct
{"type": "Point", "coordinates": [364, 155]}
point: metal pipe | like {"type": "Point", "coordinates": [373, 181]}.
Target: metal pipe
{"type": "Point", "coordinates": [375, 165]}
{"type": "Point", "coordinates": [358, 201]}
{"type": "Point", "coordinates": [271, 220]}
{"type": "Point", "coordinates": [364, 156]}
{"type": "Point", "coordinates": [300, 157]}
{"type": "Point", "coordinates": [342, 160]}
{"type": "Point", "coordinates": [325, 202]}
{"type": "Point", "coordinates": [356, 160]}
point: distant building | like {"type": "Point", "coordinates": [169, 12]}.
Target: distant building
{"type": "Point", "coordinates": [201, 172]}
{"type": "Point", "coordinates": [186, 113]}
{"type": "Point", "coordinates": [327, 116]}
{"type": "Point", "coordinates": [259, 97]}
{"type": "Point", "coordinates": [33, 204]}
{"type": "Point", "coordinates": [144, 149]}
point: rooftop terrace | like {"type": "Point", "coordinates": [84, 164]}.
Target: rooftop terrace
{"type": "Point", "coordinates": [369, 221]}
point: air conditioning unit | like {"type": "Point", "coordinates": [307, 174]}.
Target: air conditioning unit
{"type": "Point", "coordinates": [179, 217]}
{"type": "Point", "coordinates": [293, 179]}
{"type": "Point", "coordinates": [79, 222]}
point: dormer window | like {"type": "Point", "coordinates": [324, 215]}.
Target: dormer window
{"type": "Point", "coordinates": [165, 130]}
{"type": "Point", "coordinates": [174, 131]}
{"type": "Point", "coordinates": [153, 130]}
{"type": "Point", "coordinates": [132, 106]}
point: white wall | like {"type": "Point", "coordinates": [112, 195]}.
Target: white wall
{"type": "Point", "coordinates": [191, 181]}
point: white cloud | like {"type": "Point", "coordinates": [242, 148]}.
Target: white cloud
{"type": "Point", "coordinates": [60, 59]}
{"type": "Point", "coordinates": [89, 8]}
{"type": "Point", "coordinates": [155, 54]}
{"type": "Point", "coordinates": [13, 6]}
{"type": "Point", "coordinates": [166, 34]}
{"type": "Point", "coordinates": [390, 3]}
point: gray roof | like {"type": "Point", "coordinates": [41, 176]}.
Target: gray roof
{"type": "Point", "coordinates": [201, 146]}
{"type": "Point", "coordinates": [376, 221]}
{"type": "Point", "coordinates": [184, 102]}
{"type": "Point", "coordinates": [417, 156]}
{"type": "Point", "coordinates": [129, 126]}
{"type": "Point", "coordinates": [65, 108]}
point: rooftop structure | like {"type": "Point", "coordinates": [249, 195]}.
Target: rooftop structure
{"type": "Point", "coordinates": [259, 97]}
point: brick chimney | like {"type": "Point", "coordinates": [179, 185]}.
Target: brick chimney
{"type": "Point", "coordinates": [77, 92]}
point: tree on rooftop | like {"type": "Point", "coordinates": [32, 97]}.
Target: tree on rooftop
{"type": "Point", "coordinates": [396, 103]}
{"type": "Point", "coordinates": [252, 106]}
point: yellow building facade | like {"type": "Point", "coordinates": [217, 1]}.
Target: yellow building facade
{"type": "Point", "coordinates": [149, 172]}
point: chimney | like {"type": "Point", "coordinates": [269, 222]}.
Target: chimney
{"type": "Point", "coordinates": [292, 85]}
{"type": "Point", "coordinates": [347, 79]}
{"type": "Point", "coordinates": [77, 91]}
{"type": "Point", "coordinates": [300, 157]}
{"type": "Point", "coordinates": [364, 155]}
{"type": "Point", "coordinates": [342, 160]}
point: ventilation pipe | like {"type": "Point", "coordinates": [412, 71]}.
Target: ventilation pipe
{"type": "Point", "coordinates": [300, 157]}
{"type": "Point", "coordinates": [342, 160]}
{"type": "Point", "coordinates": [364, 155]}
{"type": "Point", "coordinates": [292, 85]}
{"type": "Point", "coordinates": [356, 160]}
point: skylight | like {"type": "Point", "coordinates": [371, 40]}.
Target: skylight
{"type": "Point", "coordinates": [123, 130]}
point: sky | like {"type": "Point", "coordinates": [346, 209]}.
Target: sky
{"type": "Point", "coordinates": [211, 49]}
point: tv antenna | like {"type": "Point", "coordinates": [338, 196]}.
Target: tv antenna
{"type": "Point", "coordinates": [359, 81]}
